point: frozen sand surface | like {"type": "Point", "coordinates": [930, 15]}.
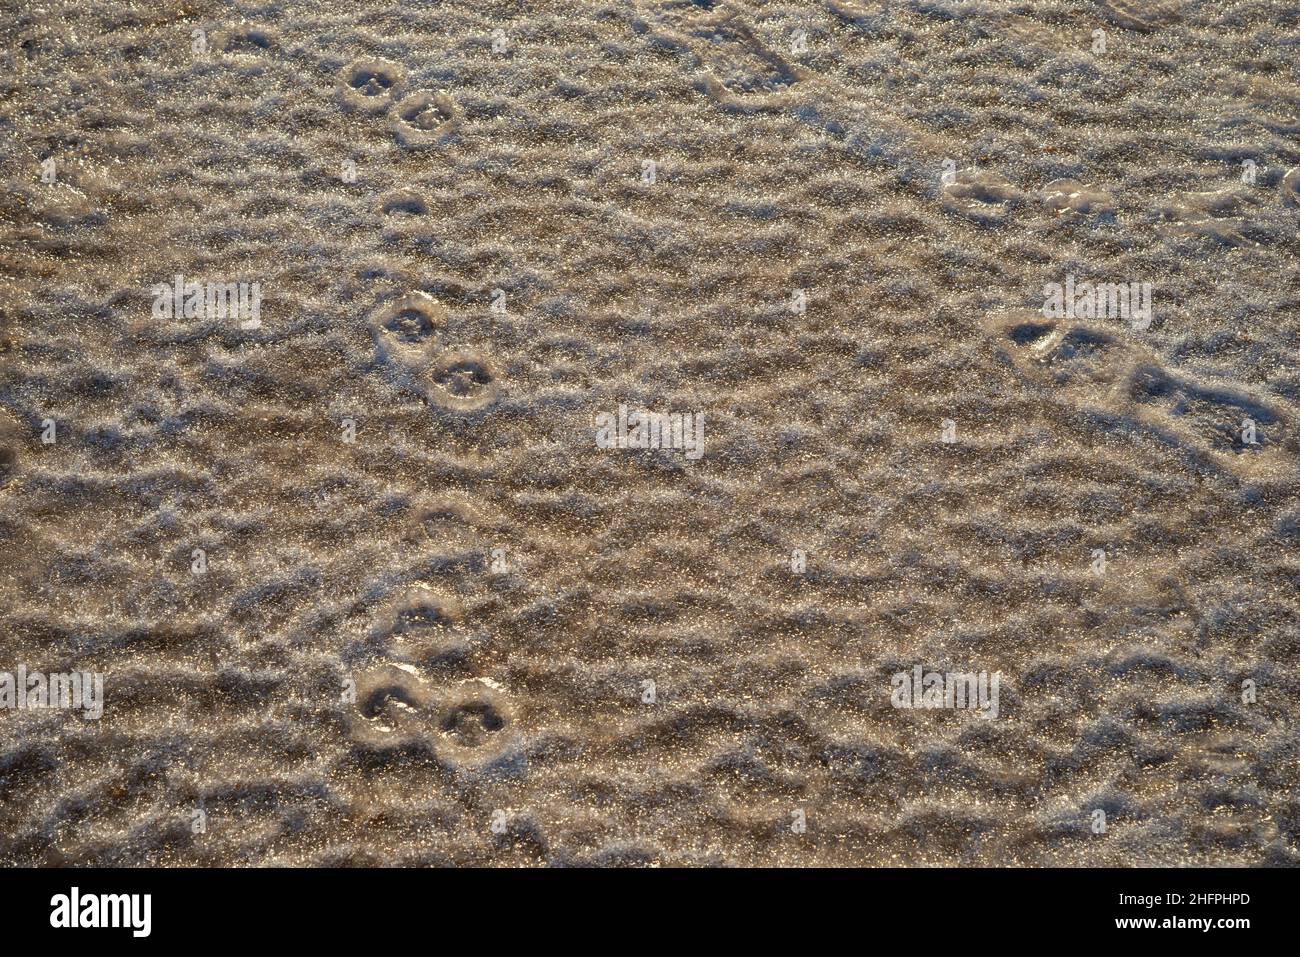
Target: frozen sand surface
{"type": "Point", "coordinates": [513, 681]}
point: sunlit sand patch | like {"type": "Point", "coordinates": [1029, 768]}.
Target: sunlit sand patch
{"type": "Point", "coordinates": [1219, 215]}
{"type": "Point", "coordinates": [370, 86]}
{"type": "Point", "coordinates": [463, 380]}
{"type": "Point", "coordinates": [64, 207]}
{"type": "Point", "coordinates": [981, 195]}
{"type": "Point", "coordinates": [424, 119]}
{"type": "Point", "coordinates": [855, 12]}
{"type": "Point", "coordinates": [1071, 198]}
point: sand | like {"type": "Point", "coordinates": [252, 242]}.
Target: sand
{"type": "Point", "coordinates": [365, 588]}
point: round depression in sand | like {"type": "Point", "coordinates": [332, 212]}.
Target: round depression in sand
{"type": "Point", "coordinates": [423, 118]}
{"type": "Point", "coordinates": [463, 380]}
{"type": "Point", "coordinates": [369, 85]}
{"type": "Point", "coordinates": [405, 332]}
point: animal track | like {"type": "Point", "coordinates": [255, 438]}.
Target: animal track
{"type": "Point", "coordinates": [393, 709]}
{"type": "Point", "coordinates": [1216, 215]}
{"type": "Point", "coordinates": [980, 195]}
{"type": "Point", "coordinates": [740, 72]}
{"type": "Point", "coordinates": [1072, 198]}
{"type": "Point", "coordinates": [421, 626]}
{"type": "Point", "coordinates": [476, 725]}
{"type": "Point", "coordinates": [1120, 383]}
{"type": "Point", "coordinates": [462, 380]}
{"type": "Point", "coordinates": [1211, 416]}
{"type": "Point", "coordinates": [370, 86]}
{"type": "Point", "coordinates": [469, 726]}
{"type": "Point", "coordinates": [449, 526]}
{"type": "Point", "coordinates": [403, 203]}
{"type": "Point", "coordinates": [423, 119]}
{"type": "Point", "coordinates": [248, 40]}
{"type": "Point", "coordinates": [404, 334]}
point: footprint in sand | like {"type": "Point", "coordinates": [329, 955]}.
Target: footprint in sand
{"type": "Point", "coordinates": [394, 709]}
{"type": "Point", "coordinates": [476, 724]}
{"type": "Point", "coordinates": [1117, 383]}
{"type": "Point", "coordinates": [247, 40]}
{"type": "Point", "coordinates": [405, 214]}
{"type": "Point", "coordinates": [1210, 417]}
{"type": "Point", "coordinates": [450, 527]}
{"type": "Point", "coordinates": [1072, 199]}
{"type": "Point", "coordinates": [424, 119]}
{"type": "Point", "coordinates": [1219, 215]}
{"type": "Point", "coordinates": [740, 73]}
{"type": "Point", "coordinates": [982, 196]}
{"type": "Point", "coordinates": [402, 204]}
{"type": "Point", "coordinates": [1142, 15]}
{"type": "Point", "coordinates": [421, 626]}
{"type": "Point", "coordinates": [463, 380]}
{"type": "Point", "coordinates": [468, 726]}
{"type": "Point", "coordinates": [369, 86]}
{"type": "Point", "coordinates": [405, 337]}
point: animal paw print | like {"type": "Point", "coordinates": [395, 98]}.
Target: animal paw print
{"type": "Point", "coordinates": [1072, 199]}
{"type": "Point", "coordinates": [1218, 215]}
{"type": "Point", "coordinates": [405, 336]}
{"type": "Point", "coordinates": [247, 40]}
{"type": "Point", "coordinates": [421, 626]}
{"type": "Point", "coordinates": [982, 196]}
{"type": "Point", "coordinates": [476, 725]}
{"type": "Point", "coordinates": [449, 527]}
{"type": "Point", "coordinates": [424, 119]}
{"type": "Point", "coordinates": [1066, 354]}
{"type": "Point", "coordinates": [463, 380]}
{"type": "Point", "coordinates": [1114, 382]}
{"type": "Point", "coordinates": [393, 710]}
{"type": "Point", "coordinates": [369, 86]}
{"type": "Point", "coordinates": [468, 727]}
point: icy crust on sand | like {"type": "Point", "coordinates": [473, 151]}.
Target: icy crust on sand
{"type": "Point", "coordinates": [437, 625]}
